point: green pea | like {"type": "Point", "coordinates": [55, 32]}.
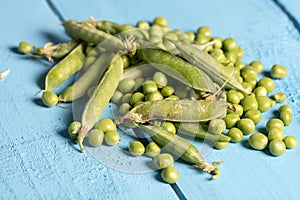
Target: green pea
{"type": "Point", "coordinates": [160, 21]}
{"type": "Point", "coordinates": [139, 83]}
{"type": "Point", "coordinates": [278, 71]}
{"type": "Point", "coordinates": [163, 160]}
{"type": "Point", "coordinates": [218, 55]}
{"type": "Point", "coordinates": [275, 133]}
{"type": "Point", "coordinates": [229, 44]}
{"type": "Point", "coordinates": [235, 134]}
{"type": "Point", "coordinates": [106, 124]}
{"type": "Point", "coordinates": [274, 123]}
{"type": "Point", "coordinates": [24, 47]}
{"type": "Point", "coordinates": [241, 80]}
{"type": "Point", "coordinates": [126, 98]}
{"type": "Point", "coordinates": [266, 83]}
{"type": "Point", "coordinates": [216, 126]}
{"type": "Point", "coordinates": [154, 96]}
{"type": "Point", "coordinates": [136, 97]}
{"type": "Point", "coordinates": [95, 137]}
{"type": "Point", "coordinates": [285, 108]}
{"type": "Point", "coordinates": [117, 97]}
{"type": "Point", "coordinates": [279, 97]}
{"type": "Point", "coordinates": [254, 115]}
{"type": "Point", "coordinates": [221, 145]}
{"type": "Point", "coordinates": [239, 53]}
{"type": "Point", "coordinates": [169, 126]}
{"type": "Point", "coordinates": [286, 117]}
{"type": "Point", "coordinates": [169, 175]}
{"type": "Point", "coordinates": [204, 30]}
{"type": "Point", "coordinates": [231, 56]}
{"type": "Point", "coordinates": [249, 73]}
{"type": "Point", "coordinates": [202, 39]}
{"type": "Point", "coordinates": [260, 91]}
{"type": "Point", "coordinates": [160, 79]}
{"type": "Point", "coordinates": [252, 82]}
{"type": "Point", "coordinates": [257, 65]}
{"type": "Point", "coordinates": [149, 87]}
{"type": "Point", "coordinates": [249, 103]}
{"type": "Point", "coordinates": [277, 147]}
{"type": "Point", "coordinates": [136, 148]}
{"type": "Point", "coordinates": [247, 86]}
{"type": "Point", "coordinates": [167, 91]}
{"type": "Point", "coordinates": [217, 42]}
{"type": "Point", "coordinates": [152, 150]}
{"type": "Point", "coordinates": [290, 142]}
{"type": "Point", "coordinates": [264, 103]}
{"type": "Point", "coordinates": [246, 125]}
{"type": "Point", "coordinates": [143, 25]}
{"type": "Point", "coordinates": [111, 138]}
{"type": "Point", "coordinates": [49, 98]}
{"type": "Point", "coordinates": [126, 85]}
{"type": "Point", "coordinates": [124, 108]}
{"type": "Point", "coordinates": [258, 141]}
{"type": "Point", "coordinates": [231, 120]}
{"type": "Point", "coordinates": [73, 129]}
{"type": "Point", "coordinates": [239, 65]}
{"type": "Point", "coordinates": [191, 35]}
{"type": "Point", "coordinates": [233, 97]}
{"type": "Point", "coordinates": [238, 110]}
{"type": "Point", "coordinates": [172, 97]}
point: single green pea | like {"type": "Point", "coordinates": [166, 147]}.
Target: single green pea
{"type": "Point", "coordinates": [217, 42]}
{"type": "Point", "coordinates": [249, 102]}
{"type": "Point", "coordinates": [136, 148]}
{"type": "Point", "coordinates": [191, 35]}
{"type": "Point", "coordinates": [235, 134]}
{"type": "Point", "coordinates": [260, 91]}
{"type": "Point", "coordinates": [111, 138]}
{"type": "Point", "coordinates": [204, 30]}
{"type": "Point", "coordinates": [278, 71]}
{"type": "Point", "coordinates": [138, 84]}
{"type": "Point", "coordinates": [241, 80]}
{"type": "Point", "coordinates": [277, 147]}
{"type": "Point", "coordinates": [163, 160]}
{"type": "Point", "coordinates": [274, 123]}
{"type": "Point", "coordinates": [124, 108]}
{"type": "Point", "coordinates": [285, 108]}
{"type": "Point", "coordinates": [231, 56]}
{"type": "Point", "coordinates": [106, 124]}
{"type": "Point", "coordinates": [167, 91]}
{"type": "Point", "coordinates": [239, 64]}
{"type": "Point", "coordinates": [216, 126]}
{"type": "Point", "coordinates": [172, 97]}
{"type": "Point", "coordinates": [152, 150]}
{"type": "Point", "coordinates": [73, 129]}
{"type": "Point", "coordinates": [169, 126]}
{"type": "Point", "coordinates": [257, 65]}
{"type": "Point", "coordinates": [201, 39]}
{"type": "Point", "coordinates": [252, 82]}
{"type": "Point", "coordinates": [136, 97]}
{"type": "Point", "coordinates": [154, 96]}
{"type": "Point", "coordinates": [249, 73]}
{"type": "Point", "coordinates": [240, 95]}
{"type": "Point", "coordinates": [49, 98]}
{"type": "Point", "coordinates": [290, 142]}
{"type": "Point", "coordinates": [126, 98]}
{"type": "Point", "coordinates": [169, 175]}
{"type": "Point", "coordinates": [247, 86]}
{"type": "Point", "coordinates": [218, 55]}
{"type": "Point", "coordinates": [286, 117]}
{"type": "Point", "coordinates": [254, 115]}
{"type": "Point", "coordinates": [266, 83]}
{"type": "Point", "coordinates": [264, 103]}
{"type": "Point", "coordinates": [143, 25]}
{"type": "Point", "coordinates": [95, 137]}
{"type": "Point", "coordinates": [246, 125]}
{"type": "Point", "coordinates": [221, 145]}
{"type": "Point", "coordinates": [126, 85]}
{"type": "Point", "coordinates": [229, 44]}
{"type": "Point", "coordinates": [258, 141]}
{"type": "Point", "coordinates": [233, 97]}
{"type": "Point", "coordinates": [117, 97]}
{"type": "Point", "coordinates": [149, 87]}
{"type": "Point", "coordinates": [279, 97]}
{"type": "Point", "coordinates": [160, 79]}
{"type": "Point", "coordinates": [239, 53]}
{"type": "Point", "coordinates": [238, 110]}
{"type": "Point", "coordinates": [160, 21]}
{"type": "Point", "coordinates": [126, 61]}
{"type": "Point", "coordinates": [275, 133]}
{"type": "Point", "coordinates": [231, 120]}
{"type": "Point", "coordinates": [24, 47]}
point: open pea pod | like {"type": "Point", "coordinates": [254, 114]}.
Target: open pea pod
{"type": "Point", "coordinates": [202, 60]}
{"type": "Point", "coordinates": [177, 111]}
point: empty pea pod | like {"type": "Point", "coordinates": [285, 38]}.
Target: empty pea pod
{"type": "Point", "coordinates": [177, 111]}
{"type": "Point", "coordinates": [100, 98]}
{"type": "Point", "coordinates": [65, 68]}
{"type": "Point", "coordinates": [88, 78]}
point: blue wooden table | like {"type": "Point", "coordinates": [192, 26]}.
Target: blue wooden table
{"type": "Point", "coordinates": [38, 161]}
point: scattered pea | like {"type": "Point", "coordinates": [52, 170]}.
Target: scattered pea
{"type": "Point", "coordinates": [229, 44]}
{"type": "Point", "coordinates": [154, 96]}
{"type": "Point", "coordinates": [111, 138]}
{"type": "Point", "coordinates": [217, 42]}
{"type": "Point", "coordinates": [266, 83]}
{"type": "Point", "coordinates": [126, 61]}
{"type": "Point", "coordinates": [160, 79]}
{"type": "Point", "coordinates": [95, 137]}
{"type": "Point", "coordinates": [49, 98]}
{"type": "Point", "coordinates": [247, 86]}
{"type": "Point", "coordinates": [149, 87]}
{"type": "Point", "coordinates": [160, 21]}
{"type": "Point", "coordinates": [260, 91]}
{"type": "Point", "coordinates": [264, 103]}
{"type": "Point", "coordinates": [249, 73]}
{"type": "Point", "coordinates": [254, 115]}
{"type": "Point", "coordinates": [246, 125]}
{"type": "Point", "coordinates": [216, 126]}
{"type": "Point", "coordinates": [136, 97]}
{"type": "Point", "coordinates": [249, 103]}
{"type": "Point", "coordinates": [126, 85]}
{"type": "Point", "coordinates": [117, 97]}
{"type": "Point", "coordinates": [258, 141]}
{"type": "Point", "coordinates": [290, 142]}
{"type": "Point", "coordinates": [152, 150]}
{"type": "Point", "coordinates": [279, 97]}
{"type": "Point", "coordinates": [124, 108]}
{"type": "Point", "coordinates": [285, 108]}
{"type": "Point", "coordinates": [275, 133]}
{"type": "Point", "coordinates": [170, 175]}
{"type": "Point", "coordinates": [231, 120]}
{"type": "Point", "coordinates": [106, 124]}
{"type": "Point", "coordinates": [126, 98]}
{"type": "Point", "coordinates": [167, 91]}
{"type": "Point", "coordinates": [169, 126]}
{"type": "Point", "coordinates": [274, 123]}
{"type": "Point", "coordinates": [73, 129]}
{"type": "Point", "coordinates": [286, 117]}
{"type": "Point", "coordinates": [204, 30]}
{"type": "Point", "coordinates": [235, 134]}
{"type": "Point", "coordinates": [136, 148]}
{"type": "Point", "coordinates": [257, 65]}
{"type": "Point", "coordinates": [221, 145]}
{"type": "Point", "coordinates": [277, 147]}
{"type": "Point", "coordinates": [278, 71]}
{"type": "Point", "coordinates": [163, 160]}
{"type": "Point", "coordinates": [24, 47]}
{"type": "Point", "coordinates": [238, 110]}
{"type": "Point", "coordinates": [233, 97]}
{"type": "Point", "coordinates": [143, 25]}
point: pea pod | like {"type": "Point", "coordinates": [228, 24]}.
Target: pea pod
{"type": "Point", "coordinates": [65, 68]}
{"type": "Point", "coordinates": [64, 48]}
{"type": "Point", "coordinates": [100, 98]}
{"type": "Point", "coordinates": [178, 69]}
{"type": "Point", "coordinates": [200, 130]}
{"type": "Point", "coordinates": [88, 78]}
{"type": "Point", "coordinates": [178, 146]}
{"type": "Point", "coordinates": [215, 70]}
{"type": "Point", "coordinates": [177, 111]}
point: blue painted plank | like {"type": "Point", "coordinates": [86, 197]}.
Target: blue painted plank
{"type": "Point", "coordinates": [37, 159]}
{"type": "Point", "coordinates": [291, 8]}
